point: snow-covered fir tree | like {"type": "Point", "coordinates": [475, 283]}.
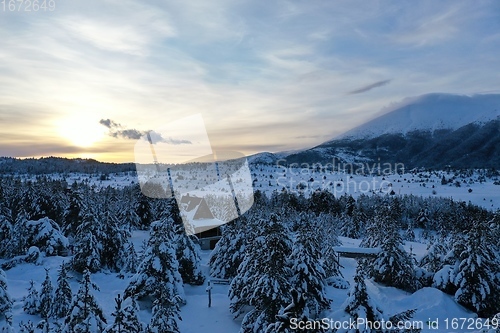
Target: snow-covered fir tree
{"type": "Point", "coordinates": [46, 297]}
{"type": "Point", "coordinates": [88, 243]}
{"type": "Point", "coordinates": [63, 294]}
{"type": "Point", "coordinates": [131, 317]}
{"type": "Point", "coordinates": [144, 212]}
{"type": "Point", "coordinates": [73, 216]}
{"type": "Point", "coordinates": [295, 310]}
{"type": "Point", "coordinates": [125, 318]}
{"type": "Point", "coordinates": [86, 316]}
{"type": "Point", "coordinates": [393, 266]}
{"type": "Point", "coordinates": [187, 252]}
{"type": "Point", "coordinates": [307, 269]}
{"type": "Point", "coordinates": [262, 279]}
{"type": "Point", "coordinates": [26, 327]}
{"type": "Point", "coordinates": [130, 260]}
{"type": "Point", "coordinates": [159, 266]}
{"type": "Point", "coordinates": [478, 276]}
{"type": "Point", "coordinates": [31, 304]}
{"type": "Point", "coordinates": [359, 303]}
{"type": "Point", "coordinates": [5, 304]}
{"type": "Point", "coordinates": [229, 250]}
{"type": "Point", "coordinates": [166, 312]}
{"type": "Point", "coordinates": [433, 260]}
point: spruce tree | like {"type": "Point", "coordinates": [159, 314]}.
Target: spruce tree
{"type": "Point", "coordinates": [478, 277]}
{"type": "Point", "coordinates": [130, 260]}
{"type": "Point", "coordinates": [86, 316]}
{"type": "Point", "coordinates": [131, 319]}
{"type": "Point", "coordinates": [166, 312]}
{"type": "Point", "coordinates": [186, 251]}
{"type": "Point", "coordinates": [31, 303]}
{"type": "Point", "coordinates": [262, 280]}
{"type": "Point", "coordinates": [118, 323]}
{"type": "Point", "coordinates": [359, 304]}
{"type": "Point", "coordinates": [5, 304]}
{"type": "Point", "coordinates": [88, 243]}
{"type": "Point", "coordinates": [63, 294]}
{"type": "Point", "coordinates": [229, 250]}
{"type": "Point", "coordinates": [46, 297]}
{"type": "Point", "coordinates": [307, 269]}
{"type": "Point", "coordinates": [159, 266]}
{"type": "Point", "coordinates": [393, 266]}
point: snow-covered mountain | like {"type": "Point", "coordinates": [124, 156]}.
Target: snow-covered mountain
{"type": "Point", "coordinates": [429, 112]}
{"type": "Point", "coordinates": [433, 130]}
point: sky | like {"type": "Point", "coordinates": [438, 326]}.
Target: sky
{"type": "Point", "coordinates": [90, 77]}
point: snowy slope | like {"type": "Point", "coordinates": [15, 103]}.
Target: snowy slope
{"type": "Point", "coordinates": [429, 112]}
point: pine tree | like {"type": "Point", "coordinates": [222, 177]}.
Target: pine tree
{"type": "Point", "coordinates": [114, 241]}
{"type": "Point", "coordinates": [186, 251]}
{"type": "Point", "coordinates": [143, 211]}
{"type": "Point", "coordinates": [5, 304]}
{"type": "Point", "coordinates": [295, 310]}
{"type": "Point", "coordinates": [359, 304]}
{"type": "Point", "coordinates": [130, 260]}
{"type": "Point", "coordinates": [433, 260]}
{"type": "Point", "coordinates": [27, 327]}
{"type": "Point", "coordinates": [229, 250]}
{"type": "Point", "coordinates": [63, 294]}
{"type": "Point", "coordinates": [478, 277]}
{"type": "Point", "coordinates": [85, 316]}
{"type": "Point", "coordinates": [131, 319]}
{"type": "Point", "coordinates": [73, 216]}
{"type": "Point", "coordinates": [46, 297]}
{"type": "Point", "coordinates": [88, 244]}
{"type": "Point", "coordinates": [118, 325]}
{"type": "Point", "coordinates": [308, 274]}
{"type": "Point", "coordinates": [159, 266]}
{"type": "Point", "coordinates": [166, 312]}
{"type": "Point", "coordinates": [32, 300]}
{"type": "Point", "coordinates": [393, 266]}
{"type": "Point", "coordinates": [262, 280]}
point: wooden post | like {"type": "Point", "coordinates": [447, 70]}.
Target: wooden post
{"type": "Point", "coordinates": [209, 291]}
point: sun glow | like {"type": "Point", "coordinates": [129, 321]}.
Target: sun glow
{"type": "Point", "coordinates": [81, 131]}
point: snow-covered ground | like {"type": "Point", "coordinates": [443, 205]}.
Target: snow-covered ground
{"type": "Point", "coordinates": [430, 304]}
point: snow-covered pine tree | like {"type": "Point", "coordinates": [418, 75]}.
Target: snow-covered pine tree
{"type": "Point", "coordinates": [294, 310]}
{"type": "Point", "coordinates": [159, 266]}
{"type": "Point", "coordinates": [144, 212]}
{"type": "Point", "coordinates": [31, 304]}
{"type": "Point", "coordinates": [88, 243]}
{"type": "Point", "coordinates": [268, 288]}
{"type": "Point", "coordinates": [433, 260]}
{"type": "Point", "coordinates": [166, 312]}
{"type": "Point", "coordinates": [26, 327]}
{"type": "Point", "coordinates": [229, 250]}
{"type": "Point", "coordinates": [130, 260]}
{"type": "Point", "coordinates": [359, 304]}
{"type": "Point", "coordinates": [46, 297]}
{"type": "Point", "coordinates": [86, 316]}
{"type": "Point", "coordinates": [73, 216]}
{"type": "Point", "coordinates": [131, 317]}
{"type": "Point", "coordinates": [186, 251]}
{"type": "Point", "coordinates": [393, 266]}
{"type": "Point", "coordinates": [63, 294]}
{"type": "Point", "coordinates": [478, 276]}
{"type": "Point", "coordinates": [118, 325]}
{"type": "Point", "coordinates": [5, 304]}
{"type": "Point", "coordinates": [114, 241]}
{"type": "Point", "coordinates": [307, 269]}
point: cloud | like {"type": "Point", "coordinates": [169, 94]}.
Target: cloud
{"type": "Point", "coordinates": [116, 131]}
{"type": "Point", "coordinates": [369, 87]}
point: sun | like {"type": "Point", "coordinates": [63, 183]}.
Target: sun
{"type": "Point", "coordinates": [81, 131]}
